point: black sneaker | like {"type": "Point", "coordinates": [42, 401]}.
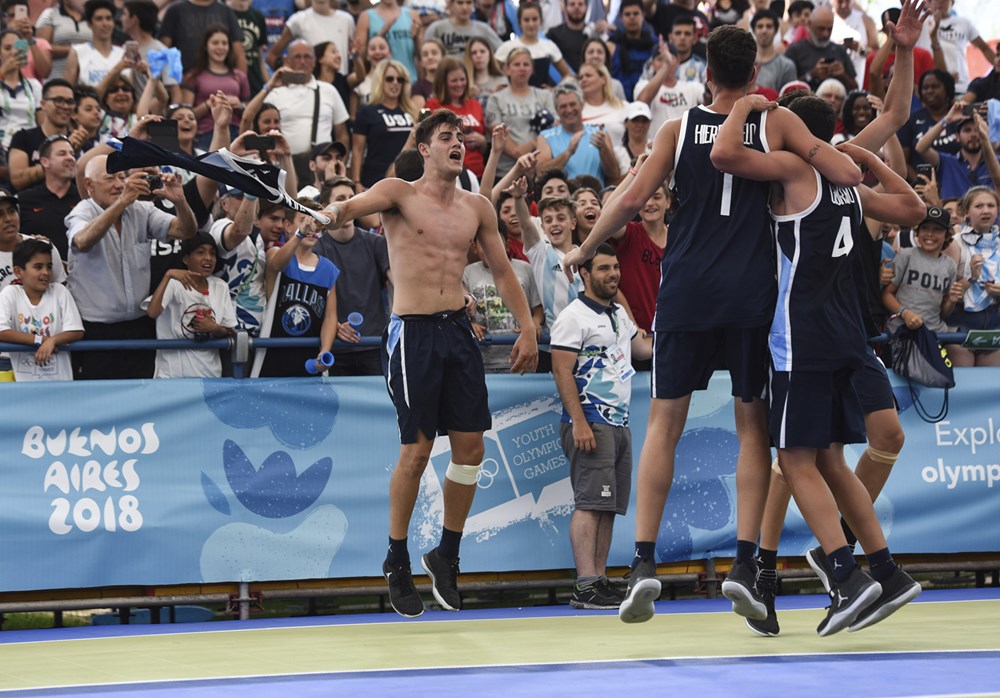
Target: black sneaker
{"type": "Point", "coordinates": [847, 601]}
{"type": "Point", "coordinates": [615, 591]}
{"type": "Point", "coordinates": [593, 597]}
{"type": "Point", "coordinates": [767, 587]}
{"type": "Point", "coordinates": [820, 564]}
{"type": "Point", "coordinates": [444, 579]}
{"type": "Point", "coordinates": [897, 591]}
{"type": "Point", "coordinates": [402, 594]}
{"type": "Point", "coordinates": [740, 587]}
{"type": "Point", "coordinates": [643, 589]}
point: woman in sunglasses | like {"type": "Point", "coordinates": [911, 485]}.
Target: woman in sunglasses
{"type": "Point", "coordinates": [119, 103]}
{"type": "Point", "coordinates": [383, 127]}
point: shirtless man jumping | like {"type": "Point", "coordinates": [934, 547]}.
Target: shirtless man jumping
{"type": "Point", "coordinates": [432, 363]}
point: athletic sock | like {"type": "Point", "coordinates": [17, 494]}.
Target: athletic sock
{"type": "Point", "coordinates": [645, 550]}
{"type": "Point", "coordinates": [768, 559]}
{"type": "Point", "coordinates": [745, 550]}
{"type": "Point", "coordinates": [398, 554]}
{"type": "Point", "coordinates": [448, 548]}
{"type": "Point", "coordinates": [881, 565]}
{"type": "Point", "coordinates": [584, 582]}
{"type": "Point", "coordinates": [843, 563]}
{"type": "Point", "coordinates": [852, 540]}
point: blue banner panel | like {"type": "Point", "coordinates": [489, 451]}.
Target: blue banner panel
{"type": "Point", "coordinates": [185, 481]}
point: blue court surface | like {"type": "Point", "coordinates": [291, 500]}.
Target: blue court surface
{"type": "Point", "coordinates": [946, 643]}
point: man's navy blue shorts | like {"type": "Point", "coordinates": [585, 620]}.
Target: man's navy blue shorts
{"type": "Point", "coordinates": [684, 361]}
{"type": "Point", "coordinates": [434, 372]}
{"type": "Point", "coordinates": [872, 385]}
{"type": "Point", "coordinates": [813, 409]}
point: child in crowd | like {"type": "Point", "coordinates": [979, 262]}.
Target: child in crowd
{"type": "Point", "coordinates": [191, 303]}
{"type": "Point", "coordinates": [36, 312]}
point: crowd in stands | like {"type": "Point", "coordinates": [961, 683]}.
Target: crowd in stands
{"type": "Point", "coordinates": [560, 102]}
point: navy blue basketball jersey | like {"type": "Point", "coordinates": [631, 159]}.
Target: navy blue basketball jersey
{"type": "Point", "coordinates": [817, 322]}
{"type": "Point", "coordinates": [718, 268]}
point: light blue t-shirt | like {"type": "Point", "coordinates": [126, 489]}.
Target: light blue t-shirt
{"type": "Point", "coordinates": [587, 158]}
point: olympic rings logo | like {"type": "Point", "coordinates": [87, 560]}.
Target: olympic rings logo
{"type": "Point", "coordinates": [489, 470]}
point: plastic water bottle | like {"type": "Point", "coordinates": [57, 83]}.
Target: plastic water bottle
{"type": "Point", "coordinates": [314, 366]}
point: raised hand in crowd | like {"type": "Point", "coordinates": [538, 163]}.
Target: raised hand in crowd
{"type": "Point", "coordinates": [927, 188]}
{"type": "Point", "coordinates": [906, 30]}
{"type": "Point", "coordinates": [136, 187]}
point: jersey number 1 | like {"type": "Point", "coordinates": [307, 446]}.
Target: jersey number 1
{"type": "Point", "coordinates": [844, 243]}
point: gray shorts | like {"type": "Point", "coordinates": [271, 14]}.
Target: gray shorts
{"type": "Point", "coordinates": [601, 479]}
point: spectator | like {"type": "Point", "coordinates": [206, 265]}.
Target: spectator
{"type": "Point", "coordinates": [451, 91]}
{"type": "Point", "coordinates": [573, 146]}
{"type": "Point", "coordinates": [667, 12]}
{"type": "Point", "coordinates": [570, 36]}
{"type": "Point", "coordinates": [596, 52]}
{"type": "Point", "coordinates": [552, 183]}
{"type": "Point", "coordinates": [316, 24]}
{"type": "Point", "coordinates": [277, 12]}
{"type": "Point", "coordinates": [833, 93]}
{"type": "Point", "coordinates": [459, 27]}
{"type": "Point", "coordinates": [184, 25]}
{"type": "Point", "coordinates": [120, 106]}
{"type": "Point", "coordinates": [727, 12]}
{"type": "Point", "coordinates": [47, 205]}
{"type": "Point", "coordinates": [668, 98]}
{"type": "Point", "coordinates": [955, 33]}
{"type": "Point", "coordinates": [978, 258]}
{"type": "Point", "coordinates": [328, 162]}
{"type": "Point", "coordinates": [856, 31]}
{"type": "Point", "coordinates": [858, 111]}
{"type": "Point", "coordinates": [38, 313]}
{"type": "Point", "coordinates": [87, 115]}
{"type": "Point", "coordinates": [109, 275]}
{"type": "Point", "coordinates": [361, 77]}
{"type": "Point", "coordinates": [817, 58]}
{"type": "Point", "coordinates": [302, 299]}
{"type": "Point", "coordinates": [799, 13]}
{"type": "Point", "coordinates": [593, 342]}
{"type": "Point", "coordinates": [925, 286]}
{"type": "Point", "coordinates": [56, 113]}
{"type": "Point", "coordinates": [88, 63]}
{"type": "Point", "coordinates": [545, 55]}
{"type": "Point", "coordinates": [509, 222]}
{"type": "Point", "coordinates": [976, 163]}
{"type": "Point", "coordinates": [484, 71]}
{"type": "Point", "coordinates": [383, 127]}
{"type": "Point", "coordinates": [399, 26]}
{"type": "Point", "coordinates": [242, 248]}
{"type": "Point", "coordinates": [521, 107]}
{"type": "Point", "coordinates": [213, 72]}
{"type": "Point", "coordinates": [254, 28]}
{"type": "Point", "coordinates": [878, 64]}
{"type": "Point", "coordinates": [190, 303]}
{"type": "Point", "coordinates": [937, 95]}
{"type": "Point", "coordinates": [363, 259]}
{"type": "Point", "coordinates": [22, 96]}
{"type": "Point", "coordinates": [493, 13]}
{"type": "Point", "coordinates": [690, 66]}
{"type": "Point", "coordinates": [600, 106]}
{"type": "Point", "coordinates": [10, 225]}
{"type": "Point", "coordinates": [632, 45]}
{"type": "Point", "coordinates": [636, 141]}
{"type": "Point", "coordinates": [139, 22]}
{"type": "Point", "coordinates": [587, 204]}
{"type": "Point", "coordinates": [491, 315]}
{"type": "Point", "coordinates": [311, 111]}
{"type": "Point", "coordinates": [773, 69]}
{"type": "Point", "coordinates": [62, 26]}
{"type": "Point", "coordinates": [988, 87]}
{"type": "Point", "coordinates": [38, 59]}
{"type": "Point", "coordinates": [328, 64]}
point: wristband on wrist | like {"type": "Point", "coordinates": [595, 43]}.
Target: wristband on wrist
{"type": "Point", "coordinates": [633, 172]}
{"type": "Point", "coordinates": [901, 311]}
{"type": "Point", "coordinates": [299, 235]}
{"type": "Point", "coordinates": [38, 340]}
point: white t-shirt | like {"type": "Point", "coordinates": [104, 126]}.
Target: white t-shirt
{"type": "Point", "coordinates": [543, 48]}
{"type": "Point", "coordinates": [56, 312]}
{"type": "Point", "coordinates": [180, 307]}
{"type": "Point", "coordinates": [17, 112]}
{"type": "Point", "coordinates": [955, 33]}
{"type": "Point", "coordinates": [243, 270]}
{"type": "Point", "coordinates": [296, 104]}
{"type": "Point", "coordinates": [613, 119]}
{"type": "Point", "coordinates": [671, 102]}
{"type": "Point", "coordinates": [93, 65]}
{"type": "Point", "coordinates": [7, 266]}
{"type": "Point", "coordinates": [337, 27]}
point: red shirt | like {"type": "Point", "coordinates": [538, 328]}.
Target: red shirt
{"type": "Point", "coordinates": [640, 259]}
{"type": "Point", "coordinates": [471, 114]}
{"type": "Point", "coordinates": [515, 249]}
{"type": "Point", "coordinates": [923, 61]}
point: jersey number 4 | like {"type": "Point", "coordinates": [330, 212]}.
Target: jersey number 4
{"type": "Point", "coordinates": [844, 243]}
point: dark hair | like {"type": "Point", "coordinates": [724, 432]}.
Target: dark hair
{"type": "Point", "coordinates": [731, 55]}
{"type": "Point", "coordinates": [890, 15]}
{"type": "Point", "coordinates": [547, 176]}
{"type": "Point", "coordinates": [319, 49]}
{"type": "Point", "coordinates": [816, 114]}
{"type": "Point", "coordinates": [409, 165]}
{"type": "Point", "coordinates": [266, 208]}
{"type": "Point", "coordinates": [56, 82]}
{"type": "Point", "coordinates": [605, 249]}
{"type": "Point", "coordinates": [46, 148]}
{"type": "Point", "coordinates": [326, 191]}
{"type": "Point", "coordinates": [800, 6]}
{"type": "Point", "coordinates": [946, 80]}
{"type": "Point", "coordinates": [8, 4]}
{"type": "Point", "coordinates": [82, 92]}
{"type": "Point", "coordinates": [847, 115]}
{"type": "Point", "coordinates": [586, 181]}
{"type": "Point", "coordinates": [266, 106]}
{"type": "Point", "coordinates": [631, 3]}
{"type": "Point", "coordinates": [191, 244]}
{"type": "Point", "coordinates": [28, 248]}
{"type": "Point", "coordinates": [765, 14]}
{"type": "Point", "coordinates": [201, 61]}
{"type": "Point", "coordinates": [556, 202]}
{"type": "Point", "coordinates": [682, 19]}
{"type": "Point", "coordinates": [438, 118]}
{"type": "Point", "coordinates": [92, 6]}
{"type": "Point", "coordinates": [145, 11]}
{"type": "Point", "coordinates": [604, 45]}
{"type": "Point", "coordinates": [531, 5]}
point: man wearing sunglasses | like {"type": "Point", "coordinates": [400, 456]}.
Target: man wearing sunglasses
{"type": "Point", "coordinates": [57, 113]}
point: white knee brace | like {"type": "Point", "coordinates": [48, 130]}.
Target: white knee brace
{"type": "Point", "coordinates": [463, 474]}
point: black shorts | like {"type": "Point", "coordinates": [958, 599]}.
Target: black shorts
{"type": "Point", "coordinates": [434, 372]}
{"type": "Point", "coordinates": [813, 409]}
{"type": "Point", "coordinates": [871, 383]}
{"type": "Point", "coordinates": [684, 362]}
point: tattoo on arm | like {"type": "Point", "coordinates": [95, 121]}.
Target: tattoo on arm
{"type": "Point", "coordinates": [812, 153]}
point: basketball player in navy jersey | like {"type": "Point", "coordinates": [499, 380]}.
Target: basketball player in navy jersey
{"type": "Point", "coordinates": [714, 306]}
{"type": "Point", "coordinates": [818, 340]}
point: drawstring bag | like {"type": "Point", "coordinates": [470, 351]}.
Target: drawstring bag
{"type": "Point", "coordinates": [918, 357]}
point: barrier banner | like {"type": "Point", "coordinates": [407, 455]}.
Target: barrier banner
{"type": "Point", "coordinates": [187, 481]}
